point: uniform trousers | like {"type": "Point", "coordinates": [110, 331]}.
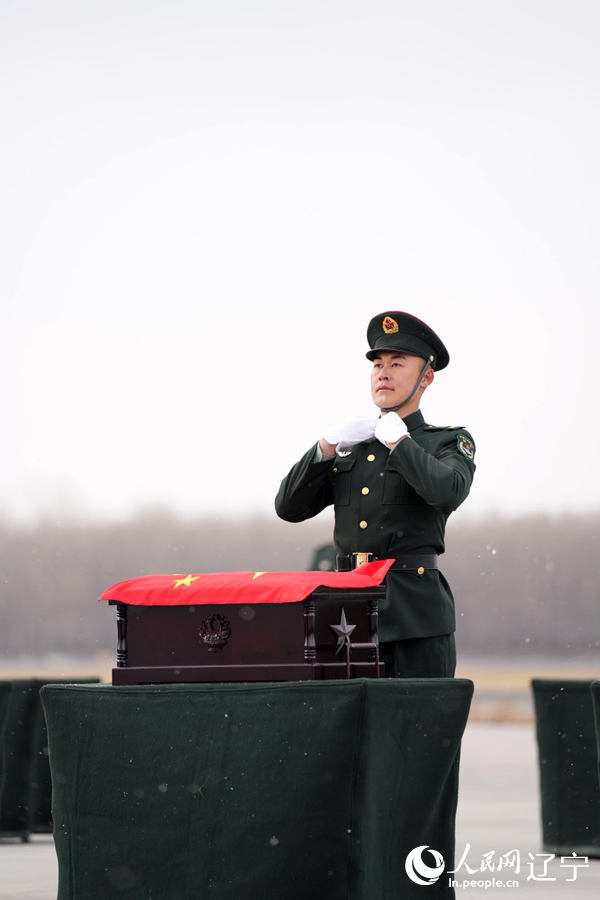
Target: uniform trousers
{"type": "Point", "coordinates": [428, 657]}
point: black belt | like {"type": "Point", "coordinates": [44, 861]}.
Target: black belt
{"type": "Point", "coordinates": [345, 562]}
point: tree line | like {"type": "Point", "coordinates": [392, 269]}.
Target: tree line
{"type": "Point", "coordinates": [523, 587]}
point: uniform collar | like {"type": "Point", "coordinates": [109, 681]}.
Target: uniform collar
{"type": "Point", "coordinates": [414, 420]}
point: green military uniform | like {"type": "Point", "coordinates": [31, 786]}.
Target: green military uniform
{"type": "Point", "coordinates": [323, 559]}
{"type": "Point", "coordinates": [394, 504]}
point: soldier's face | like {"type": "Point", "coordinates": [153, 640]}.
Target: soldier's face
{"type": "Point", "coordinates": [393, 377]}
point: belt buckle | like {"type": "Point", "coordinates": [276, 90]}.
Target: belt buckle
{"type": "Point", "coordinates": [361, 558]}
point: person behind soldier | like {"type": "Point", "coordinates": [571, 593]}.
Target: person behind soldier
{"type": "Point", "coordinates": [323, 559]}
{"type": "Point", "coordinates": [393, 480]}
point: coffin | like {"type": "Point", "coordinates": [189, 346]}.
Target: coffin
{"type": "Point", "coordinates": [246, 634]}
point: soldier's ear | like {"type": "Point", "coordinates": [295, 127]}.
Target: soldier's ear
{"type": "Point", "coordinates": [427, 378]}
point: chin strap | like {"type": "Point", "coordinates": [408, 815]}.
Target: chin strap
{"type": "Point", "coordinates": [387, 409]}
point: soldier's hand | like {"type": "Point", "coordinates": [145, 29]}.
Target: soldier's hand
{"type": "Point", "coordinates": [390, 429]}
{"type": "Point", "coordinates": [349, 432]}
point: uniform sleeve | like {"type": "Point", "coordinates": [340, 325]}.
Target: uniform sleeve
{"type": "Point", "coordinates": [443, 480]}
{"type": "Point", "coordinates": [306, 490]}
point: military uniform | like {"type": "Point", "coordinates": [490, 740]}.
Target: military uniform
{"type": "Point", "coordinates": [392, 504]}
{"type": "Point", "coordinates": [395, 505]}
{"type": "Point", "coordinates": [323, 559]}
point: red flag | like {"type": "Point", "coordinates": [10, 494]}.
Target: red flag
{"type": "Point", "coordinates": [239, 587]}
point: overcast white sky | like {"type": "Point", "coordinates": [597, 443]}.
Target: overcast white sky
{"type": "Point", "coordinates": [204, 203]}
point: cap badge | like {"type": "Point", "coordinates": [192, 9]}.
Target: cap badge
{"type": "Point", "coordinates": [390, 326]}
{"type": "Point", "coordinates": [465, 446]}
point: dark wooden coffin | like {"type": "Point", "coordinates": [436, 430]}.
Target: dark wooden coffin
{"type": "Point", "coordinates": [257, 642]}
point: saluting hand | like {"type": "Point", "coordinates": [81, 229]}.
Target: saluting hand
{"type": "Point", "coordinates": [390, 429]}
{"type": "Point", "coordinates": [347, 433]}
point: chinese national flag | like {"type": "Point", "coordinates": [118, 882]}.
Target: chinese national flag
{"type": "Point", "coordinates": [240, 587]}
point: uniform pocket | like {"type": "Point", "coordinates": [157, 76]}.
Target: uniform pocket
{"type": "Point", "coordinates": [395, 487]}
{"type": "Point", "coordinates": [342, 477]}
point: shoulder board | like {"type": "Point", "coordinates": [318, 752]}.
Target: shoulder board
{"type": "Point", "coordinates": [445, 427]}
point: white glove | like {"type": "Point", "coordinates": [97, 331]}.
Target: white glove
{"type": "Point", "coordinates": [351, 431]}
{"type": "Point", "coordinates": [390, 428]}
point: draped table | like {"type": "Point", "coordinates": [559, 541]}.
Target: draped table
{"type": "Point", "coordinates": [284, 791]}
{"type": "Point", "coordinates": [25, 781]}
{"type": "Point", "coordinates": [568, 763]}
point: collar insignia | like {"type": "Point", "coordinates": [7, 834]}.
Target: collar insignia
{"type": "Point", "coordinates": [344, 452]}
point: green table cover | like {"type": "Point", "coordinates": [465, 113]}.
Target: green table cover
{"type": "Point", "coordinates": [5, 689]}
{"type": "Point", "coordinates": [16, 750]}
{"type": "Point", "coordinates": [39, 801]}
{"type": "Point", "coordinates": [5, 692]}
{"type": "Point", "coordinates": [25, 783]}
{"type": "Point", "coordinates": [568, 759]}
{"type": "Point", "coordinates": [287, 791]}
{"type": "Point", "coordinates": [595, 689]}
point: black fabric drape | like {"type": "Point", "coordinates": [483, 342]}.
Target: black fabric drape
{"type": "Point", "coordinates": [25, 783]}
{"type": "Point", "coordinates": [595, 689]}
{"type": "Point", "coordinates": [568, 760]}
{"type": "Point", "coordinates": [295, 791]}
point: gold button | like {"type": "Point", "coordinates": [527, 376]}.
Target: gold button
{"type": "Point", "coordinates": [363, 524]}
{"type": "Point", "coordinates": [335, 470]}
{"type": "Point", "coordinates": [370, 457]}
{"type": "Point", "coordinates": [420, 570]}
{"type": "Point", "coordinates": [365, 490]}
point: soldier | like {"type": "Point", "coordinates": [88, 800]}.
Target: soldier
{"type": "Point", "coordinates": [394, 480]}
{"type": "Point", "coordinates": [323, 559]}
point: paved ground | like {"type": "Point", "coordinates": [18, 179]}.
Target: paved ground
{"type": "Point", "coordinates": [498, 811]}
{"type": "Point", "coordinates": [28, 871]}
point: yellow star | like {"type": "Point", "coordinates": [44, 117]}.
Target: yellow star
{"type": "Point", "coordinates": [256, 574]}
{"type": "Point", "coordinates": [187, 581]}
